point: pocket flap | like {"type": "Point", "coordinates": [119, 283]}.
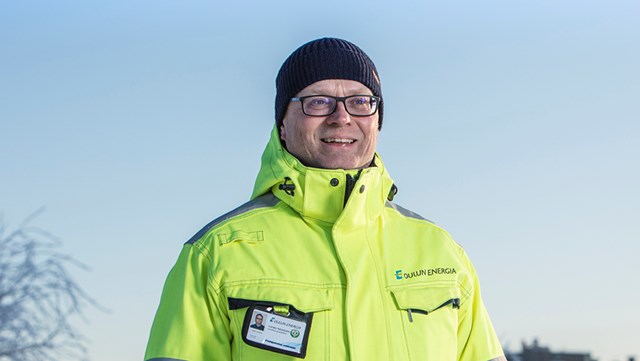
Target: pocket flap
{"type": "Point", "coordinates": [303, 299]}
{"type": "Point", "coordinates": [424, 298]}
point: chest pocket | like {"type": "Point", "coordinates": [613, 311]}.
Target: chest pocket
{"type": "Point", "coordinates": [430, 320]}
{"type": "Point", "coordinates": [317, 301]}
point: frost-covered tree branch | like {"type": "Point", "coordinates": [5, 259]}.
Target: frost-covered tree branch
{"type": "Point", "coordinates": [38, 299]}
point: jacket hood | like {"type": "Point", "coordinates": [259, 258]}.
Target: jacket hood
{"type": "Point", "coordinates": [320, 193]}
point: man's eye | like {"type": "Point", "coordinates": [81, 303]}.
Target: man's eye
{"type": "Point", "coordinates": [318, 102]}
{"type": "Point", "coordinates": [359, 101]}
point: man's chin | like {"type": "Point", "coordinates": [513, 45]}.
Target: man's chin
{"type": "Point", "coordinates": [341, 161]}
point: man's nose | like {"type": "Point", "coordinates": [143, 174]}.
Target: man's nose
{"type": "Point", "coordinates": [340, 115]}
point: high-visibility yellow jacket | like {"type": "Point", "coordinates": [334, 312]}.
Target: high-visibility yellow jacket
{"type": "Point", "coordinates": [381, 282]}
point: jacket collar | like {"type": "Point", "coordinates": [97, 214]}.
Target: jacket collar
{"type": "Point", "coordinates": [320, 193]}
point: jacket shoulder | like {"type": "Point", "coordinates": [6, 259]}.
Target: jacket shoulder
{"type": "Point", "coordinates": [266, 200]}
{"type": "Point", "coordinates": [410, 215]}
{"type": "Point", "coordinates": [405, 212]}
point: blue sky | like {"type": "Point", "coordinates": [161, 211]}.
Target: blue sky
{"type": "Point", "coordinates": [514, 125]}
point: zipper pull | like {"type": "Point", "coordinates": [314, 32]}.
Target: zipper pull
{"type": "Point", "coordinates": [410, 315]}
{"type": "Point", "coordinates": [456, 303]}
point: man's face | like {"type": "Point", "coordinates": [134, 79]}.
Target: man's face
{"type": "Point", "coordinates": [335, 141]}
{"type": "Point", "coordinates": [258, 319]}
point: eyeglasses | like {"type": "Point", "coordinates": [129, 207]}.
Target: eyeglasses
{"type": "Point", "coordinates": [324, 105]}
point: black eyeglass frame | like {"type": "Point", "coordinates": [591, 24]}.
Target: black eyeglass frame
{"type": "Point", "coordinates": [338, 100]}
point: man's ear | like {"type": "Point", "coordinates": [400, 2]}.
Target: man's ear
{"type": "Point", "coordinates": [282, 135]}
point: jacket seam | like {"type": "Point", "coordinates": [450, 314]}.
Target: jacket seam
{"type": "Point", "coordinates": [423, 284]}
{"type": "Point", "coordinates": [382, 292]}
{"type": "Point", "coordinates": [231, 215]}
{"type": "Point", "coordinates": [274, 282]}
{"type": "Point", "coordinates": [200, 242]}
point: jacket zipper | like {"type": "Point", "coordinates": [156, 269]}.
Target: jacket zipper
{"type": "Point", "coordinates": [455, 302]}
{"type": "Point", "coordinates": [279, 308]}
{"type": "Point", "coordinates": [238, 303]}
{"type": "Point", "coordinates": [351, 182]}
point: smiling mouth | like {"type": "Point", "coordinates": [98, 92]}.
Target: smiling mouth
{"type": "Point", "coordinates": [338, 140]}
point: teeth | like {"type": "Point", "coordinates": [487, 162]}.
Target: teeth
{"type": "Point", "coordinates": [338, 140]}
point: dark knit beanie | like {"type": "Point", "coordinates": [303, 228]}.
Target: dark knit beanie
{"type": "Point", "coordinates": [327, 58]}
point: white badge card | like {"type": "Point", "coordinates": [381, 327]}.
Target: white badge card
{"type": "Point", "coordinates": [286, 333]}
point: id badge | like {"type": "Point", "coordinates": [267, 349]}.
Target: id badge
{"type": "Point", "coordinates": [281, 329]}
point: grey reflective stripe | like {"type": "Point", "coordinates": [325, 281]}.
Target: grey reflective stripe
{"type": "Point", "coordinates": [165, 359]}
{"type": "Point", "coordinates": [501, 358]}
{"type": "Point", "coordinates": [405, 212]}
{"type": "Point", "coordinates": [264, 201]}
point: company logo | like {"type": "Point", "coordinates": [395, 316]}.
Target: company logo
{"type": "Point", "coordinates": [426, 272]}
{"type": "Point", "coordinates": [294, 333]}
{"type": "Point", "coordinates": [399, 274]}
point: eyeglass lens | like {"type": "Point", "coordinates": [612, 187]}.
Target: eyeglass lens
{"type": "Point", "coordinates": [324, 105]}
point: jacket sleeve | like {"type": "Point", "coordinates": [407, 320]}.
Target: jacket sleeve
{"type": "Point", "coordinates": [190, 324]}
{"type": "Point", "coordinates": [477, 340]}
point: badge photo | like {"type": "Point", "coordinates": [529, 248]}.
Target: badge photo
{"type": "Point", "coordinates": [277, 328]}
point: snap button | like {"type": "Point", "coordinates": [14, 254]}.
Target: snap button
{"type": "Point", "coordinates": [362, 188]}
{"type": "Point", "coordinates": [334, 182]}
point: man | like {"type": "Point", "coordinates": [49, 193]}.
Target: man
{"type": "Point", "coordinates": [258, 323]}
{"type": "Point", "coordinates": [344, 273]}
